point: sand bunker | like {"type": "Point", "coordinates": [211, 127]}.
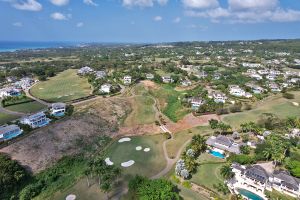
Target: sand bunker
{"type": "Point", "coordinates": [124, 140]}
{"type": "Point", "coordinates": [108, 161]}
{"type": "Point", "coordinates": [138, 148]}
{"type": "Point", "coordinates": [147, 149]}
{"type": "Point", "coordinates": [71, 197]}
{"type": "Point", "coordinates": [41, 88]}
{"type": "Point", "coordinates": [128, 163]}
{"type": "Point", "coordinates": [295, 104]}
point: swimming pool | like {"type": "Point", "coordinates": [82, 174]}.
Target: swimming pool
{"type": "Point", "coordinates": [249, 195]}
{"type": "Point", "coordinates": [217, 154]}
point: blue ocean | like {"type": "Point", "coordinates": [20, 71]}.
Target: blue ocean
{"type": "Point", "coordinates": [14, 46]}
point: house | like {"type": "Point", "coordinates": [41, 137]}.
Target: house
{"type": "Point", "coordinates": [196, 102]}
{"type": "Point", "coordinates": [25, 83]}
{"type": "Point", "coordinates": [201, 75]}
{"type": "Point", "coordinates": [100, 74]}
{"type": "Point", "coordinates": [9, 131]}
{"type": "Point", "coordinates": [11, 79]}
{"type": "Point", "coordinates": [275, 72]}
{"type": "Point", "coordinates": [251, 65]}
{"type": "Point", "coordinates": [251, 71]}
{"type": "Point", "coordinates": [167, 79]}
{"type": "Point", "coordinates": [58, 109]}
{"type": "Point", "coordinates": [217, 76]}
{"type": "Point", "coordinates": [84, 71]}
{"type": "Point", "coordinates": [224, 143]}
{"type": "Point", "coordinates": [257, 179]}
{"type": "Point", "coordinates": [36, 120]}
{"type": "Point", "coordinates": [271, 77]}
{"type": "Point", "coordinates": [284, 183]}
{"type": "Point", "coordinates": [186, 83]}
{"type": "Point", "coordinates": [274, 87]}
{"type": "Point", "coordinates": [218, 97]}
{"type": "Point", "coordinates": [149, 76]}
{"type": "Point", "coordinates": [263, 71]}
{"type": "Point", "coordinates": [257, 89]}
{"type": "Point", "coordinates": [256, 76]}
{"type": "Point", "coordinates": [105, 88]}
{"type": "Point", "coordinates": [235, 90]}
{"type": "Point", "coordinates": [9, 92]}
{"type": "Point", "coordinates": [127, 80]}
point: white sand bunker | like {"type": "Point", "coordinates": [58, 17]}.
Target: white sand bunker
{"type": "Point", "coordinates": [295, 104]}
{"type": "Point", "coordinates": [71, 197]}
{"type": "Point", "coordinates": [138, 148]}
{"type": "Point", "coordinates": [128, 163]}
{"type": "Point", "coordinates": [41, 88]}
{"type": "Point", "coordinates": [124, 140]}
{"type": "Point", "coordinates": [108, 161]}
{"type": "Point", "coordinates": [147, 149]}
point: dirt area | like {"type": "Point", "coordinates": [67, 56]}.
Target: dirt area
{"type": "Point", "coordinates": [190, 121]}
{"type": "Point", "coordinates": [140, 130]}
{"type": "Point", "coordinates": [48, 144]}
{"type": "Point", "coordinates": [150, 84]}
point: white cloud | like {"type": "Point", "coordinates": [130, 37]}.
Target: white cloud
{"type": "Point", "coordinates": [90, 2]}
{"type": "Point", "coordinates": [157, 18]}
{"type": "Point", "coordinates": [252, 4]}
{"type": "Point", "coordinates": [17, 24]}
{"type": "Point", "coordinates": [143, 3]}
{"type": "Point", "coordinates": [79, 24]}
{"type": "Point", "coordinates": [200, 4]}
{"type": "Point", "coordinates": [177, 20]}
{"type": "Point", "coordinates": [29, 5]}
{"type": "Point", "coordinates": [60, 2]}
{"type": "Point", "coordinates": [60, 16]}
{"type": "Point", "coordinates": [246, 11]}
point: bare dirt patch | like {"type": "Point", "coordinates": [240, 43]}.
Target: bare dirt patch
{"type": "Point", "coordinates": [47, 145]}
{"type": "Point", "coordinates": [150, 84]}
{"type": "Point", "coordinates": [190, 121]}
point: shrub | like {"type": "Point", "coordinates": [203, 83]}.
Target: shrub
{"type": "Point", "coordinates": [288, 95]}
{"type": "Point", "coordinates": [186, 184]}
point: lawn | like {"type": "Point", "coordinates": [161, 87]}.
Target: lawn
{"type": "Point", "coordinates": [82, 191]}
{"type": "Point", "coordinates": [277, 105]}
{"type": "Point", "coordinates": [146, 163]}
{"type": "Point", "coordinates": [181, 137]}
{"type": "Point", "coordinates": [208, 173]}
{"type": "Point", "coordinates": [63, 87]}
{"type": "Point", "coordinates": [169, 102]}
{"type": "Point", "coordinates": [4, 118]}
{"type": "Point", "coordinates": [142, 111]}
{"type": "Point", "coordinates": [29, 107]}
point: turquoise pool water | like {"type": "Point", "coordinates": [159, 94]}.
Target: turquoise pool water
{"type": "Point", "coordinates": [217, 154]}
{"type": "Point", "coordinates": [249, 195]}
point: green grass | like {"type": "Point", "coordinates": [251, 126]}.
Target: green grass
{"type": "Point", "coordinates": [29, 107]}
{"type": "Point", "coordinates": [142, 111]}
{"type": "Point", "coordinates": [65, 86]}
{"type": "Point", "coordinates": [82, 191]}
{"type": "Point", "coordinates": [181, 137]}
{"type": "Point", "coordinates": [169, 101]}
{"type": "Point", "coordinates": [4, 118]}
{"type": "Point", "coordinates": [278, 105]}
{"type": "Point", "coordinates": [208, 173]}
{"type": "Point", "coordinates": [146, 163]}
{"type": "Point", "coordinates": [274, 195]}
{"type": "Point", "coordinates": [188, 194]}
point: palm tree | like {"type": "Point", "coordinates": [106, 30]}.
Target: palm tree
{"type": "Point", "coordinates": [268, 153]}
{"type": "Point", "coordinates": [226, 172]}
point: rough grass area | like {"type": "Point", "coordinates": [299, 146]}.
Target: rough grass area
{"type": "Point", "coordinates": [169, 101]}
{"type": "Point", "coordinates": [4, 118]}
{"type": "Point", "coordinates": [63, 87]}
{"type": "Point", "coordinates": [146, 163]}
{"type": "Point", "coordinates": [276, 104]}
{"type": "Point", "coordinates": [29, 107]}
{"type": "Point", "coordinates": [142, 111]}
{"type": "Point", "coordinates": [274, 195]}
{"type": "Point", "coordinates": [181, 137]}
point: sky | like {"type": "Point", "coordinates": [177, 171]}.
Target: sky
{"type": "Point", "coordinates": [148, 20]}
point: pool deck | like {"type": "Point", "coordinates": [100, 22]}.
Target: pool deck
{"type": "Point", "coordinates": [240, 186]}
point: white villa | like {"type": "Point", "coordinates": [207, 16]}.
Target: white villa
{"type": "Point", "coordinates": [100, 74]}
{"type": "Point", "coordinates": [9, 131]}
{"type": "Point", "coordinates": [9, 92]}
{"type": "Point", "coordinates": [186, 83]}
{"type": "Point", "coordinates": [105, 88]}
{"type": "Point", "coordinates": [127, 80]}
{"type": "Point", "coordinates": [218, 97]}
{"type": "Point", "coordinates": [149, 76]}
{"type": "Point", "coordinates": [251, 65]}
{"type": "Point", "coordinates": [256, 76]}
{"type": "Point", "coordinates": [224, 143]}
{"type": "Point", "coordinates": [263, 71]}
{"type": "Point", "coordinates": [167, 79]}
{"type": "Point", "coordinates": [274, 87]}
{"type": "Point", "coordinates": [235, 90]}
{"type": "Point", "coordinates": [24, 83]}
{"type": "Point", "coordinates": [36, 120]}
{"type": "Point", "coordinates": [58, 109]}
{"type": "Point", "coordinates": [256, 179]}
{"type": "Point", "coordinates": [196, 102]}
{"type": "Point", "coordinates": [85, 70]}
{"type": "Point", "coordinates": [271, 77]}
